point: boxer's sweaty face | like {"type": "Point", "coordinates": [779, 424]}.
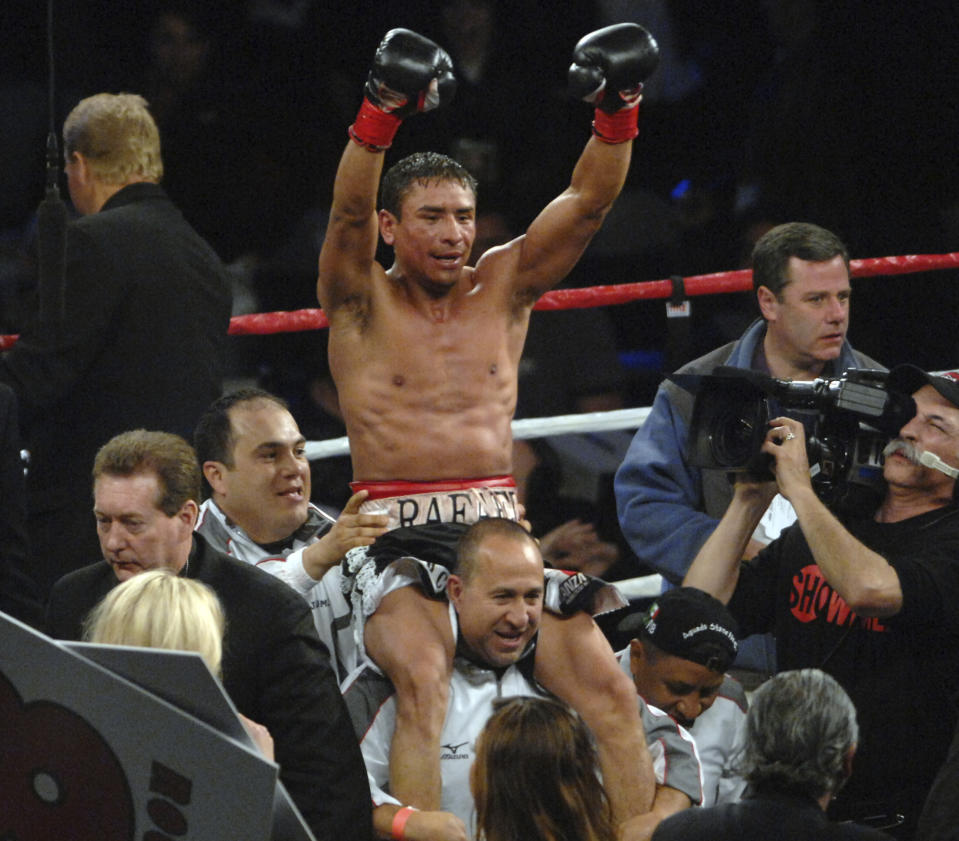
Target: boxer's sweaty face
{"type": "Point", "coordinates": [434, 235]}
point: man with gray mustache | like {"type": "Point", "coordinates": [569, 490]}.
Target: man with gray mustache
{"type": "Point", "coordinates": [872, 600]}
{"type": "Point", "coordinates": [917, 456]}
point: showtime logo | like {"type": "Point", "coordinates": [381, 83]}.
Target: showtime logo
{"type": "Point", "coordinates": [812, 599]}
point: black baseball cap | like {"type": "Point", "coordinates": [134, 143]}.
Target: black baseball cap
{"type": "Point", "coordinates": [908, 379]}
{"type": "Point", "coordinates": [688, 623]}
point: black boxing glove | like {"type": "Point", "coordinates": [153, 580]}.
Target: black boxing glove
{"type": "Point", "coordinates": [609, 68]}
{"type": "Point", "coordinates": [410, 74]}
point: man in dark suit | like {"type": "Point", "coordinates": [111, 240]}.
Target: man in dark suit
{"type": "Point", "coordinates": [275, 669]}
{"type": "Point", "coordinates": [800, 739]}
{"type": "Point", "coordinates": [147, 308]}
{"type": "Point", "coordinates": [17, 594]}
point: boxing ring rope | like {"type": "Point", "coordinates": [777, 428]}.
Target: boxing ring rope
{"type": "Point", "coordinates": [648, 586]}
{"type": "Point", "coordinates": [525, 428]}
{"type": "Point", "coordinates": [559, 299]}
{"type": "Point", "coordinates": [645, 586]}
{"type": "Point", "coordinates": [740, 280]}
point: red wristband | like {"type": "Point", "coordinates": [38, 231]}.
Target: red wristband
{"type": "Point", "coordinates": [374, 128]}
{"type": "Point", "coordinates": [617, 127]}
{"type": "Point", "coordinates": [398, 829]}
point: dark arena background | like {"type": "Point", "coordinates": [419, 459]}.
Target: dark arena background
{"type": "Point", "coordinates": [839, 113]}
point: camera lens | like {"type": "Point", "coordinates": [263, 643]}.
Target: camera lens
{"type": "Point", "coordinates": [729, 425]}
{"type": "Point", "coordinates": [734, 438]}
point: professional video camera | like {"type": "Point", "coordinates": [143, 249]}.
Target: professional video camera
{"type": "Point", "coordinates": [848, 421]}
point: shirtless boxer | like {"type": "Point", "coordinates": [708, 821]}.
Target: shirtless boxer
{"type": "Point", "coordinates": [425, 357]}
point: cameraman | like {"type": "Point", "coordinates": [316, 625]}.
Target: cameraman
{"type": "Point", "coordinates": [873, 601]}
{"type": "Point", "coordinates": [667, 508]}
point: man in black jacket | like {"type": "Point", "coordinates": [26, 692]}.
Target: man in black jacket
{"type": "Point", "coordinates": [17, 594]}
{"type": "Point", "coordinates": [142, 342]}
{"type": "Point", "coordinates": [800, 740]}
{"type": "Point", "coordinates": [275, 669]}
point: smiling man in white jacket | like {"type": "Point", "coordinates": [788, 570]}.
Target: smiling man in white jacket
{"type": "Point", "coordinates": [495, 604]}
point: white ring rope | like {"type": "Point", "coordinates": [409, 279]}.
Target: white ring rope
{"type": "Point", "coordinates": [525, 428]}
{"type": "Point", "coordinates": [643, 587]}
{"type": "Point", "coordinates": [536, 427]}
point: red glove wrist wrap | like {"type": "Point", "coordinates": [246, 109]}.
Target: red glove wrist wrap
{"type": "Point", "coordinates": [617, 127]}
{"type": "Point", "coordinates": [398, 828]}
{"type": "Point", "coordinates": [374, 128]}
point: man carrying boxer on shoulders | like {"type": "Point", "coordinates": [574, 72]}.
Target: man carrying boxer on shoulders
{"type": "Point", "coordinates": [425, 357]}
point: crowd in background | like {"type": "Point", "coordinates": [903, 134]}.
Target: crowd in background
{"type": "Point", "coordinates": [760, 112]}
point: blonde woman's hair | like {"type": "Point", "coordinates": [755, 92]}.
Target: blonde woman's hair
{"type": "Point", "coordinates": [117, 136]}
{"type": "Point", "coordinates": [158, 609]}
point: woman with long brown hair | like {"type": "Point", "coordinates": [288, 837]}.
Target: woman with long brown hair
{"type": "Point", "coordinates": [535, 776]}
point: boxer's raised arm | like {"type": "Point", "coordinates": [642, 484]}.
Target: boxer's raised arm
{"type": "Point", "coordinates": [409, 74]}
{"type": "Point", "coordinates": [608, 70]}
{"type": "Point", "coordinates": [346, 258]}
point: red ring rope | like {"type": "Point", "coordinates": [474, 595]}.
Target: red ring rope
{"type": "Point", "coordinates": [265, 323]}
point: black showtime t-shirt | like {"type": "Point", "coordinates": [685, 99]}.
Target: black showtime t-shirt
{"type": "Point", "coordinates": [902, 671]}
